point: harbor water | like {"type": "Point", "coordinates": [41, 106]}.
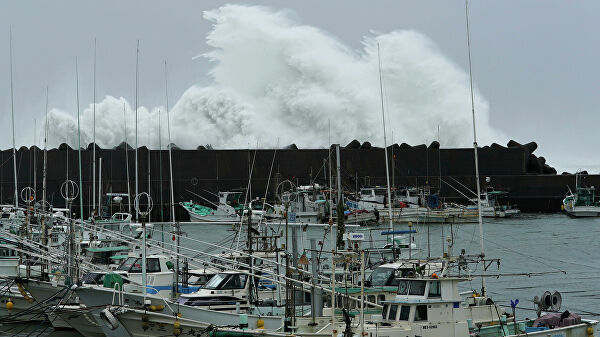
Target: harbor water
{"type": "Point", "coordinates": [537, 252]}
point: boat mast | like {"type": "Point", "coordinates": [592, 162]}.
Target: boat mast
{"type": "Point", "coordinates": [79, 142]}
{"type": "Point", "coordinates": [169, 146]}
{"type": "Point", "coordinates": [45, 158]}
{"type": "Point", "coordinates": [127, 162]}
{"type": "Point", "coordinates": [483, 288]}
{"type": "Point", "coordinates": [137, 54]}
{"type": "Point", "coordinates": [43, 218]}
{"type": "Point", "coordinates": [387, 170]}
{"type": "Point", "coordinates": [160, 171]}
{"type": "Point", "coordinates": [12, 113]}
{"type": "Point", "coordinates": [34, 155]}
{"type": "Point", "coordinates": [148, 158]}
{"type": "Point", "coordinates": [94, 139]}
{"type": "Point", "coordinates": [175, 225]}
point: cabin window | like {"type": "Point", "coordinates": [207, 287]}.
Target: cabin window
{"type": "Point", "coordinates": [404, 312]}
{"type": "Point", "coordinates": [403, 287]}
{"type": "Point", "coordinates": [235, 281]}
{"type": "Point", "coordinates": [421, 313]}
{"type": "Point", "coordinates": [434, 289]}
{"type": "Point", "coordinates": [417, 288]}
{"type": "Point", "coordinates": [214, 282]}
{"type": "Point", "coordinates": [384, 311]}
{"type": "Point", "coordinates": [152, 265]}
{"type": "Point", "coordinates": [393, 312]}
{"type": "Point", "coordinates": [371, 298]}
{"type": "Point", "coordinates": [380, 298]}
{"type": "Point", "coordinates": [130, 264]}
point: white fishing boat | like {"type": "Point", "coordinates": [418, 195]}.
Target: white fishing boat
{"type": "Point", "coordinates": [492, 205]}
{"type": "Point", "coordinates": [227, 210]}
{"type": "Point", "coordinates": [432, 307]}
{"type": "Point", "coordinates": [582, 203]}
{"type": "Point", "coordinates": [307, 204]}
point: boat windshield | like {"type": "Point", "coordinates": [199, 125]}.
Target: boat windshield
{"type": "Point", "coordinates": [93, 278]}
{"type": "Point", "coordinates": [126, 265]}
{"type": "Point", "coordinates": [227, 281]}
{"type": "Point", "coordinates": [233, 199]}
{"type": "Point", "coordinates": [382, 276]}
{"type": "Point", "coordinates": [134, 265]}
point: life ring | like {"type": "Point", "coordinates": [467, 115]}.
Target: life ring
{"type": "Point", "coordinates": [109, 320]}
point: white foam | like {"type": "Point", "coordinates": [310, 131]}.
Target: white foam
{"type": "Point", "coordinates": [274, 78]}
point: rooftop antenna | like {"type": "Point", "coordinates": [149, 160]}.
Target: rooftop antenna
{"type": "Point", "coordinates": [387, 169]}
{"type": "Point", "coordinates": [94, 137]}
{"type": "Point", "coordinates": [12, 113]}
{"type": "Point", "coordinates": [483, 286]}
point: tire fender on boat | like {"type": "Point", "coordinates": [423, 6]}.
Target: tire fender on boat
{"type": "Point", "coordinates": [109, 319]}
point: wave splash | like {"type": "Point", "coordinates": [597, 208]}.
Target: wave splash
{"type": "Point", "coordinates": [276, 81]}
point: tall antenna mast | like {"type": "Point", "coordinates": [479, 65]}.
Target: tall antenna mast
{"type": "Point", "coordinates": [137, 54]}
{"type": "Point", "coordinates": [148, 123]}
{"type": "Point", "coordinates": [387, 169]}
{"type": "Point", "coordinates": [127, 162]}
{"type": "Point", "coordinates": [94, 137]}
{"type": "Point", "coordinates": [45, 156]}
{"type": "Point", "coordinates": [160, 169]}
{"type": "Point", "coordinates": [169, 146]}
{"type": "Point", "coordinates": [175, 226]}
{"type": "Point", "coordinates": [483, 288]}
{"type": "Point", "coordinates": [35, 155]}
{"type": "Point", "coordinates": [79, 142]}
{"type": "Point", "coordinates": [12, 113]}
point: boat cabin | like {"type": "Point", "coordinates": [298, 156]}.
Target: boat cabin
{"type": "Point", "coordinates": [159, 270]}
{"type": "Point", "coordinates": [428, 306]}
{"type": "Point", "coordinates": [225, 291]}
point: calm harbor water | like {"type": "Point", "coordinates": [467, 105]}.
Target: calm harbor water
{"type": "Point", "coordinates": [567, 249]}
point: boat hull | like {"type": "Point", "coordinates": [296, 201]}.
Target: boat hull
{"type": "Point", "coordinates": [583, 211]}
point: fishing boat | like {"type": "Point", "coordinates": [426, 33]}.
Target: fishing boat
{"type": "Point", "coordinates": [227, 210]}
{"type": "Point", "coordinates": [432, 306]}
{"type": "Point", "coordinates": [492, 205]}
{"type": "Point", "coordinates": [582, 203]}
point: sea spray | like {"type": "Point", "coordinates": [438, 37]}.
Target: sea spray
{"type": "Point", "coordinates": [274, 78]}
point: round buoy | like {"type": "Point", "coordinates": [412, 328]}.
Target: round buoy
{"type": "Point", "coordinates": [176, 332]}
{"type": "Point", "coordinates": [590, 330]}
{"type": "Point", "coordinates": [9, 305]}
{"type": "Point", "coordinates": [260, 324]}
{"type": "Point", "coordinates": [176, 325]}
{"type": "Point", "coordinates": [145, 318]}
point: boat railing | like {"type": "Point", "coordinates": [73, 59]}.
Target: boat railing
{"type": "Point", "coordinates": [118, 293]}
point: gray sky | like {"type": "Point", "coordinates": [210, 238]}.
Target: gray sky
{"type": "Point", "coordinates": [536, 62]}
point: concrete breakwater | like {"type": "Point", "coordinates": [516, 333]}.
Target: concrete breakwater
{"type": "Point", "coordinates": [532, 184]}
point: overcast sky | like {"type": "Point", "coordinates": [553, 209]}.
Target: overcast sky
{"type": "Point", "coordinates": [536, 62]}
